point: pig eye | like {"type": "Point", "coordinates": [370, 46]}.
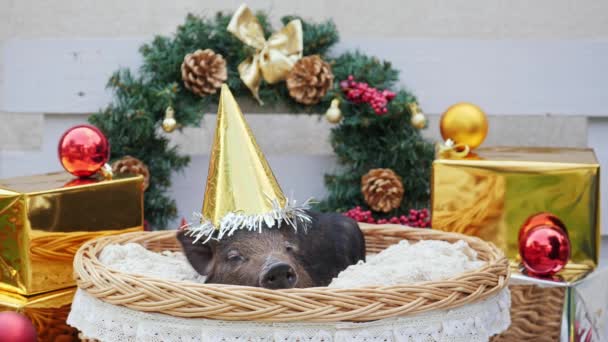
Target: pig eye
{"type": "Point", "coordinates": [289, 247]}
{"type": "Point", "coordinates": [234, 255]}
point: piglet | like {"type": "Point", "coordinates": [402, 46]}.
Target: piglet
{"type": "Point", "coordinates": [280, 258]}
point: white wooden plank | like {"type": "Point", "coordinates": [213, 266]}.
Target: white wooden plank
{"type": "Point", "coordinates": [283, 134]}
{"type": "Point", "coordinates": [62, 75]}
{"type": "Point", "coordinates": [277, 134]}
{"type": "Point", "coordinates": [514, 77]}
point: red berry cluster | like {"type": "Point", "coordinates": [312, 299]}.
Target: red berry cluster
{"type": "Point", "coordinates": [416, 218]}
{"type": "Point", "coordinates": [361, 92]}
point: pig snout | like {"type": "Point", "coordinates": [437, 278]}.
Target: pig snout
{"type": "Point", "coordinates": [278, 275]}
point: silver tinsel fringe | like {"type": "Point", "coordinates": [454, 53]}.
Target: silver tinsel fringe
{"type": "Point", "coordinates": [293, 214]}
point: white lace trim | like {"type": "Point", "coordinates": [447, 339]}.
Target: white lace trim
{"type": "Point", "coordinates": [291, 213]}
{"type": "Point", "coordinates": [106, 322]}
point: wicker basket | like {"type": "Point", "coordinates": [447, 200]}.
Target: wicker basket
{"type": "Point", "coordinates": [536, 314]}
{"type": "Point", "coordinates": [321, 304]}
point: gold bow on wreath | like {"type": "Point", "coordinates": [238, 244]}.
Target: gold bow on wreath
{"type": "Point", "coordinates": [273, 58]}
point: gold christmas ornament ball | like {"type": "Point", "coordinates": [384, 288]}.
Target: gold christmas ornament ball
{"type": "Point", "coordinates": [169, 124]}
{"type": "Point", "coordinates": [333, 113]}
{"type": "Point", "coordinates": [464, 123]}
{"type": "Point", "coordinates": [419, 120]}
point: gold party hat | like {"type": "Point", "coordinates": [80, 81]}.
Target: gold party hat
{"type": "Point", "coordinates": [241, 192]}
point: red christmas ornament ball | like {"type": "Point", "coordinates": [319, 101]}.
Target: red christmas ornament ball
{"type": "Point", "coordinates": [15, 327]}
{"type": "Point", "coordinates": [83, 150]}
{"type": "Point", "coordinates": [540, 219]}
{"type": "Point", "coordinates": [544, 246]}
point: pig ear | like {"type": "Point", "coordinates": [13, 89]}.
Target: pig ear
{"type": "Point", "coordinates": [198, 254]}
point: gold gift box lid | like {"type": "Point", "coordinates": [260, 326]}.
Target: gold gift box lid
{"type": "Point", "coordinates": [49, 182]}
{"type": "Point", "coordinates": [48, 300]}
{"type": "Point", "coordinates": [535, 155]}
{"type": "Point", "coordinates": [493, 191]}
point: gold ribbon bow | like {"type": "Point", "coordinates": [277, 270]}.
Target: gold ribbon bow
{"type": "Point", "coordinates": [450, 150]}
{"type": "Point", "coordinates": [273, 57]}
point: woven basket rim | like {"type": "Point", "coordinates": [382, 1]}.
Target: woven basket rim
{"type": "Point", "coordinates": [315, 304]}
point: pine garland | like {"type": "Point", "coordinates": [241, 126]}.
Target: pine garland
{"type": "Point", "coordinates": [362, 141]}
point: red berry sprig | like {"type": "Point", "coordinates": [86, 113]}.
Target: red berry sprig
{"type": "Point", "coordinates": [361, 92]}
{"type": "Point", "coordinates": [359, 215]}
{"type": "Point", "coordinates": [416, 218]}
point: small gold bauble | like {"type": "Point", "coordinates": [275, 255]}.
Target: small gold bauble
{"type": "Point", "coordinates": [169, 123]}
{"type": "Point", "coordinates": [333, 113]}
{"type": "Point", "coordinates": [419, 120]}
{"type": "Point", "coordinates": [464, 123]}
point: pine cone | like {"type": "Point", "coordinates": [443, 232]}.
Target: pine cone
{"type": "Point", "coordinates": [382, 189]}
{"type": "Point", "coordinates": [309, 80]}
{"type": "Point", "coordinates": [204, 71]}
{"type": "Point", "coordinates": [133, 166]}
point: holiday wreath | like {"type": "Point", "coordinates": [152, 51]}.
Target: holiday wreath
{"type": "Point", "coordinates": [296, 67]}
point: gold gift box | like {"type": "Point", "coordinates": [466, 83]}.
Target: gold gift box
{"type": "Point", "coordinates": [44, 219]}
{"type": "Point", "coordinates": [48, 312]}
{"type": "Point", "coordinates": [492, 192]}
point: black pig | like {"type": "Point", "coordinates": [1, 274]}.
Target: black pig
{"type": "Point", "coordinates": [280, 258]}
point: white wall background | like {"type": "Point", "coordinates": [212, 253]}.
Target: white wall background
{"type": "Point", "coordinates": [538, 68]}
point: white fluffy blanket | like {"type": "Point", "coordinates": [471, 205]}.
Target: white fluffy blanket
{"type": "Point", "coordinates": [403, 263]}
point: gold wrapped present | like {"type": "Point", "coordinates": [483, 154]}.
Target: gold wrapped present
{"type": "Point", "coordinates": [491, 193]}
{"type": "Point", "coordinates": [44, 219]}
{"type": "Point", "coordinates": [48, 312]}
